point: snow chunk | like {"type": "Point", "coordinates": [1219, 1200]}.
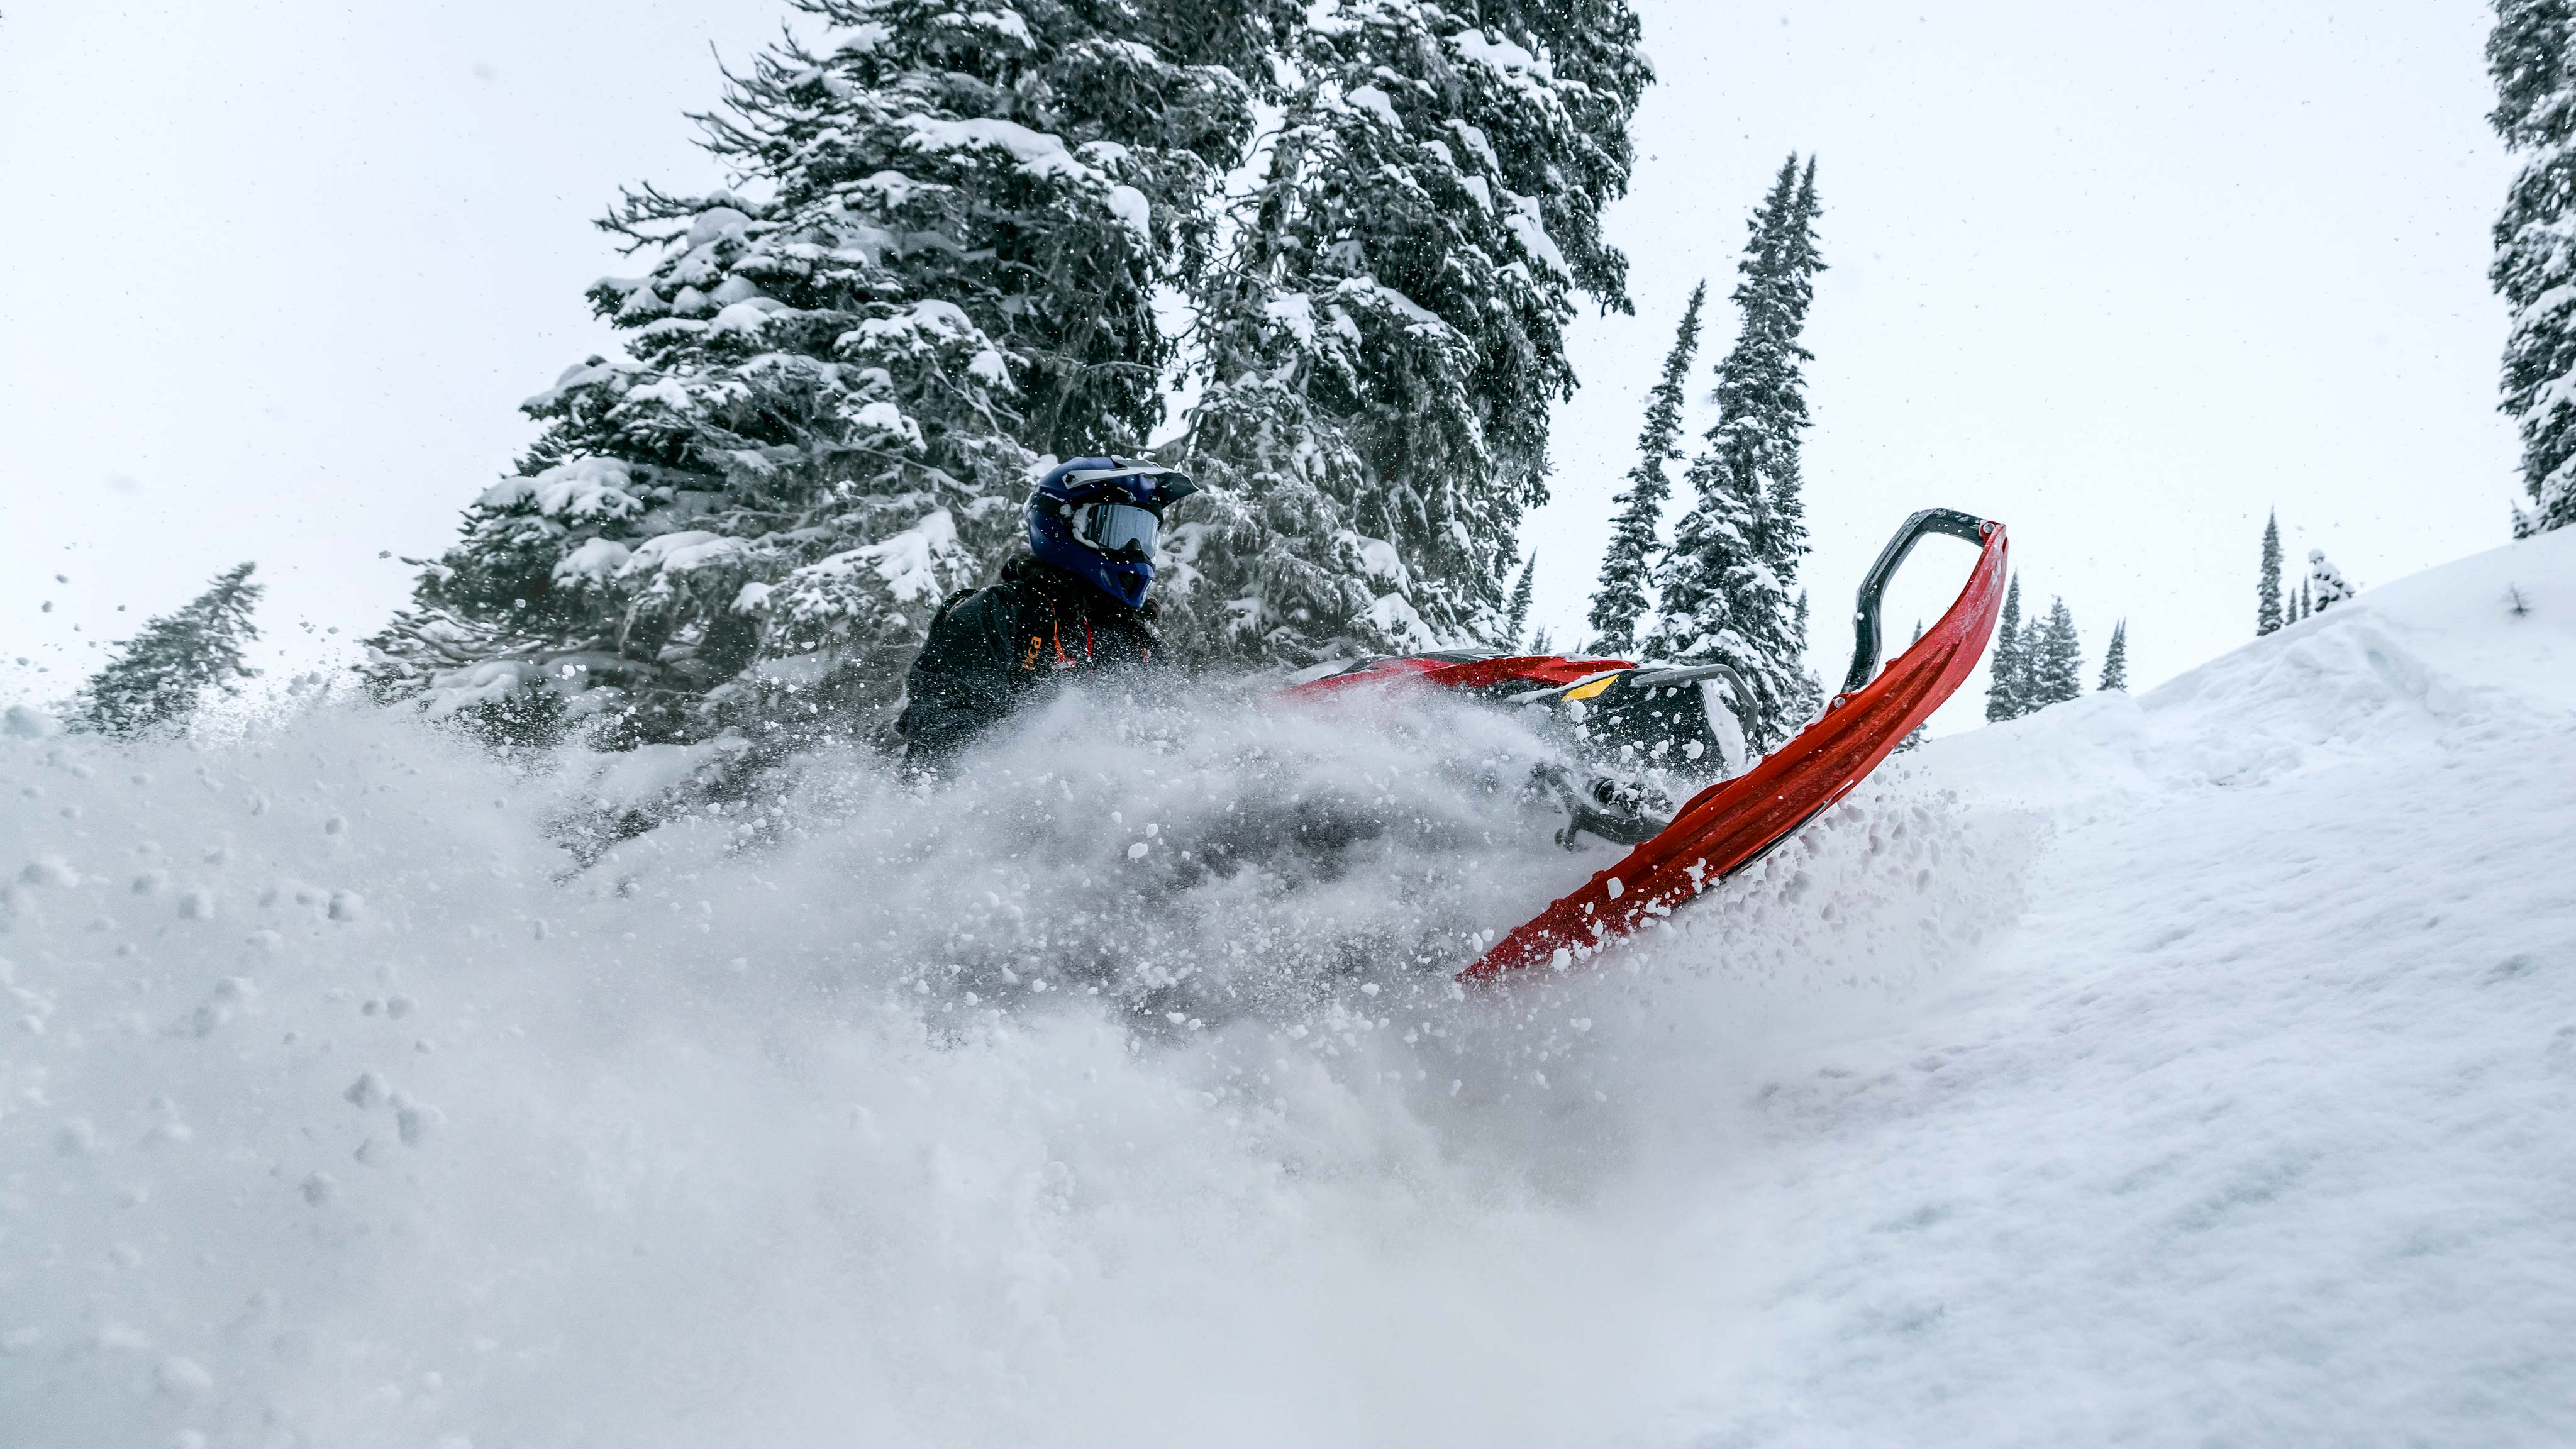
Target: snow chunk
{"type": "Point", "coordinates": [942, 320]}
{"type": "Point", "coordinates": [1474, 138]}
{"type": "Point", "coordinates": [1379, 560]}
{"type": "Point", "coordinates": [488, 682]}
{"type": "Point", "coordinates": [912, 565]}
{"type": "Point", "coordinates": [1129, 205]}
{"type": "Point", "coordinates": [746, 318]}
{"type": "Point", "coordinates": [1527, 225]}
{"type": "Point", "coordinates": [860, 39]}
{"type": "Point", "coordinates": [587, 489]}
{"type": "Point", "coordinates": [1395, 614]}
{"type": "Point", "coordinates": [714, 223]}
{"type": "Point", "coordinates": [683, 552]}
{"type": "Point", "coordinates": [24, 722]}
{"type": "Point", "coordinates": [596, 560]}
{"type": "Point", "coordinates": [1294, 311]}
{"type": "Point", "coordinates": [1502, 55]}
{"type": "Point", "coordinates": [1002, 22]}
{"type": "Point", "coordinates": [884, 417]}
{"type": "Point", "coordinates": [1038, 153]}
{"type": "Point", "coordinates": [1370, 98]}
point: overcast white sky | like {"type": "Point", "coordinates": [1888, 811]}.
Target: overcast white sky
{"type": "Point", "coordinates": [280, 271]}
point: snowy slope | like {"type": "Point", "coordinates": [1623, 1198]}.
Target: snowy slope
{"type": "Point", "coordinates": [2197, 1068]}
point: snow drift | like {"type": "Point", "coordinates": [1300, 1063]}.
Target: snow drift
{"type": "Point", "coordinates": [2196, 1066]}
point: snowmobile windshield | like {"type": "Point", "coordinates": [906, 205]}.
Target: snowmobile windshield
{"type": "Point", "coordinates": [1120, 530]}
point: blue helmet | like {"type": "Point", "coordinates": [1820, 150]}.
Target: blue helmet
{"type": "Point", "coordinates": [1099, 518]}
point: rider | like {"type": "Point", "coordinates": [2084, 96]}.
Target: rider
{"type": "Point", "coordinates": [1073, 604]}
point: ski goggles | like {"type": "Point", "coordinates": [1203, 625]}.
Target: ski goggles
{"type": "Point", "coordinates": [1120, 530]}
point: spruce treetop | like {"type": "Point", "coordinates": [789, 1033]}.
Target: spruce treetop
{"type": "Point", "coordinates": [2053, 669]}
{"type": "Point", "coordinates": [1516, 617]}
{"type": "Point", "coordinates": [161, 677]}
{"type": "Point", "coordinates": [1727, 586]}
{"type": "Point", "coordinates": [2115, 659]}
{"type": "Point", "coordinates": [1619, 600]}
{"type": "Point", "coordinates": [2267, 583]}
{"type": "Point", "coordinates": [2004, 689]}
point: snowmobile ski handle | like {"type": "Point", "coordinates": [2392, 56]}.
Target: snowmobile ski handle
{"type": "Point", "coordinates": [1865, 630]}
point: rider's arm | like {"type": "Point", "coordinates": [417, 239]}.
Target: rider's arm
{"type": "Point", "coordinates": [964, 681]}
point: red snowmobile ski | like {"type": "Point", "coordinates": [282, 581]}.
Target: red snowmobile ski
{"type": "Point", "coordinates": [1736, 821]}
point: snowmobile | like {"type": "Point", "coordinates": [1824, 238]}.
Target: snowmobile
{"type": "Point", "coordinates": [1637, 726]}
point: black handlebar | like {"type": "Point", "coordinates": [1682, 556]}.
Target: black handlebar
{"type": "Point", "coordinates": [1865, 636]}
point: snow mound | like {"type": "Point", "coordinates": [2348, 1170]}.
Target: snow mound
{"type": "Point", "coordinates": [2188, 1068]}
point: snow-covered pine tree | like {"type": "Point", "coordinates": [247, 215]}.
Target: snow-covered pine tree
{"type": "Point", "coordinates": [2267, 582]}
{"type": "Point", "coordinates": [2325, 586]}
{"type": "Point", "coordinates": [161, 676]}
{"type": "Point", "coordinates": [2027, 651]}
{"type": "Point", "coordinates": [1784, 505]}
{"type": "Point", "coordinates": [1382, 341]}
{"type": "Point", "coordinates": [2004, 683]}
{"type": "Point", "coordinates": [937, 267]}
{"type": "Point", "coordinates": [1516, 616]}
{"type": "Point", "coordinates": [2055, 663]}
{"type": "Point", "coordinates": [2115, 659]}
{"type": "Point", "coordinates": [2306, 605]}
{"type": "Point", "coordinates": [1726, 583]}
{"type": "Point", "coordinates": [1619, 601]}
{"type": "Point", "coordinates": [2532, 56]}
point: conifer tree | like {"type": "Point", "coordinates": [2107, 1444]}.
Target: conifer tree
{"type": "Point", "coordinates": [2004, 685]}
{"type": "Point", "coordinates": [2307, 604]}
{"type": "Point", "coordinates": [1784, 506]}
{"type": "Point", "coordinates": [1914, 737]}
{"type": "Point", "coordinates": [1620, 599]}
{"type": "Point", "coordinates": [1726, 584]}
{"type": "Point", "coordinates": [1384, 336]}
{"type": "Point", "coordinates": [2267, 583]}
{"type": "Point", "coordinates": [2055, 665]}
{"type": "Point", "coordinates": [2532, 56]}
{"type": "Point", "coordinates": [2325, 584]}
{"type": "Point", "coordinates": [1517, 615]}
{"type": "Point", "coordinates": [2115, 659]}
{"type": "Point", "coordinates": [162, 675]}
{"type": "Point", "coordinates": [834, 386]}
{"type": "Point", "coordinates": [2027, 651]}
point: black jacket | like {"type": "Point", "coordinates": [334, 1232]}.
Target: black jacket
{"type": "Point", "coordinates": [994, 651]}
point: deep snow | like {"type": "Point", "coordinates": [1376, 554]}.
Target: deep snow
{"type": "Point", "coordinates": [2194, 1068]}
